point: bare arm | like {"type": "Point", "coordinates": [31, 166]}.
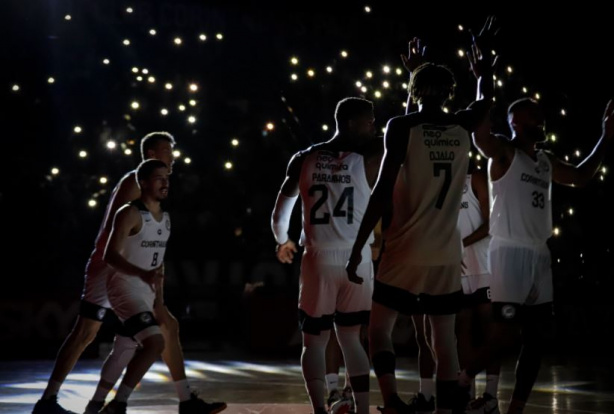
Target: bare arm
{"type": "Point", "coordinates": [580, 175]}
{"type": "Point", "coordinates": [479, 184]}
{"type": "Point", "coordinates": [280, 218]}
{"type": "Point", "coordinates": [127, 221]}
{"type": "Point", "coordinates": [395, 143]}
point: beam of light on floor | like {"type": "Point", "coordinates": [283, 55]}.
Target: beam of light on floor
{"type": "Point", "coordinates": [206, 366]}
{"type": "Point", "coordinates": [156, 377]}
{"type": "Point", "coordinates": [267, 369]}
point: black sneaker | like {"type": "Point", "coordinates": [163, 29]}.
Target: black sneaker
{"type": "Point", "coordinates": [50, 406]}
{"type": "Point", "coordinates": [197, 406]}
{"type": "Point", "coordinates": [395, 406]}
{"type": "Point", "coordinates": [463, 396]}
{"type": "Point", "coordinates": [93, 407]}
{"type": "Point", "coordinates": [114, 407]}
{"type": "Point", "coordinates": [418, 404]}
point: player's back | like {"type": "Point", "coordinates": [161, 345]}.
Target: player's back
{"type": "Point", "coordinates": [427, 193]}
{"type": "Point", "coordinates": [334, 192]}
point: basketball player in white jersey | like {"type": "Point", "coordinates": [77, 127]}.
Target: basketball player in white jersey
{"type": "Point", "coordinates": [135, 251]}
{"type": "Point", "coordinates": [476, 313]}
{"type": "Point", "coordinates": [95, 308]}
{"type": "Point", "coordinates": [521, 287]}
{"type": "Point", "coordinates": [334, 181]}
{"type": "Point", "coordinates": [418, 192]}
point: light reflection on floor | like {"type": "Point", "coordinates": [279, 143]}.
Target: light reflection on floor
{"type": "Point", "coordinates": [268, 387]}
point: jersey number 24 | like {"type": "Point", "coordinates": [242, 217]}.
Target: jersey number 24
{"type": "Point", "coordinates": [347, 196]}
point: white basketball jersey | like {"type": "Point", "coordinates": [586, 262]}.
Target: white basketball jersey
{"type": "Point", "coordinates": [146, 248]}
{"type": "Point", "coordinates": [521, 200]}
{"type": "Point", "coordinates": [475, 256]}
{"type": "Point", "coordinates": [423, 228]}
{"type": "Point", "coordinates": [334, 192]}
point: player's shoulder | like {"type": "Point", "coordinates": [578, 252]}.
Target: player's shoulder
{"type": "Point", "coordinates": [128, 180]}
{"type": "Point", "coordinates": [127, 211]}
{"type": "Point", "coordinates": [300, 156]}
{"type": "Point", "coordinates": [297, 160]}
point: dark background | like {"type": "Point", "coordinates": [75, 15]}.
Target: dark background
{"type": "Point", "coordinates": [221, 241]}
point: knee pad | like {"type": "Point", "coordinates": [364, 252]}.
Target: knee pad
{"type": "Point", "coordinates": [141, 326]}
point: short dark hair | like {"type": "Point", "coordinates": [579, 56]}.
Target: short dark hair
{"type": "Point", "coordinates": [147, 167]}
{"type": "Point", "coordinates": [521, 104]}
{"type": "Point", "coordinates": [149, 141]}
{"type": "Point", "coordinates": [351, 108]}
{"type": "Point", "coordinates": [432, 81]}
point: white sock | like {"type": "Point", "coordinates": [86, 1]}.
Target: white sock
{"type": "Point", "coordinates": [332, 382]}
{"type": "Point", "coordinates": [183, 390]}
{"type": "Point", "coordinates": [492, 384]}
{"type": "Point", "coordinates": [53, 387]}
{"type": "Point", "coordinates": [123, 393]}
{"type": "Point", "coordinates": [427, 387]}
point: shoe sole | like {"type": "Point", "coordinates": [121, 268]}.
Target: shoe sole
{"type": "Point", "coordinates": [219, 410]}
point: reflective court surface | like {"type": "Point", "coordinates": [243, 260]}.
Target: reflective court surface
{"type": "Point", "coordinates": [271, 386]}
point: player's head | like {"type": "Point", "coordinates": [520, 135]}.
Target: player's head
{"type": "Point", "coordinates": [152, 176]}
{"type": "Point", "coordinates": [158, 145]}
{"type": "Point", "coordinates": [526, 119]}
{"type": "Point", "coordinates": [433, 84]}
{"type": "Point", "coordinates": [355, 116]}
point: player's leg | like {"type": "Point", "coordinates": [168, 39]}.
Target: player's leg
{"type": "Point", "coordinates": [392, 295]}
{"type": "Point", "coordinates": [123, 350]}
{"type": "Point", "coordinates": [92, 311]}
{"type": "Point", "coordinates": [488, 401]}
{"type": "Point", "coordinates": [381, 324]}
{"type": "Point", "coordinates": [536, 323]}
{"type": "Point", "coordinates": [317, 298]}
{"type": "Point", "coordinates": [313, 363]}
{"type": "Point", "coordinates": [334, 360]}
{"type": "Point", "coordinates": [172, 355]}
{"type": "Point", "coordinates": [426, 358]}
{"type": "Point", "coordinates": [353, 309]}
{"type": "Point", "coordinates": [147, 333]}
{"type": "Point", "coordinates": [133, 301]}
